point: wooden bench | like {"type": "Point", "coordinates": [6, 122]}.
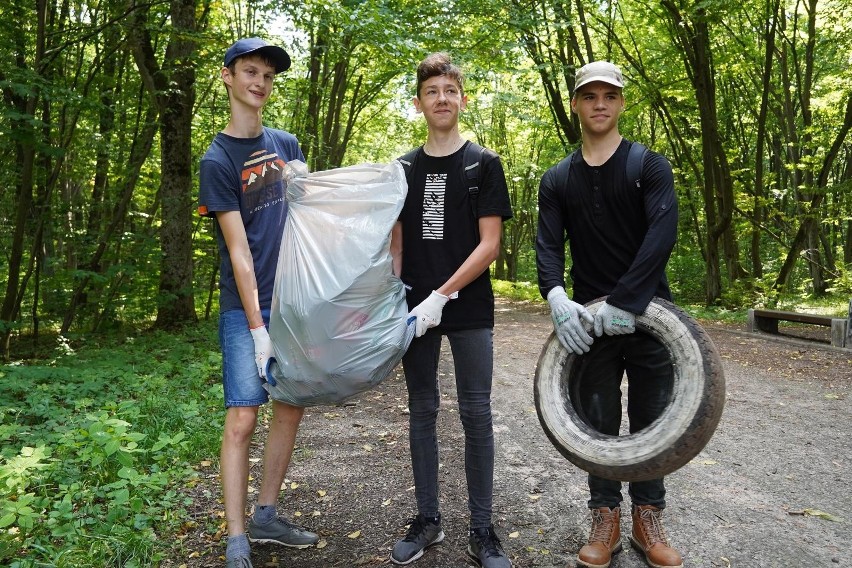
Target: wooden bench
{"type": "Point", "coordinates": [767, 321]}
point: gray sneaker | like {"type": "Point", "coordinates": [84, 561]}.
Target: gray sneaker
{"type": "Point", "coordinates": [241, 562]}
{"type": "Point", "coordinates": [484, 548]}
{"type": "Point", "coordinates": [281, 531]}
{"type": "Point", "coordinates": [423, 532]}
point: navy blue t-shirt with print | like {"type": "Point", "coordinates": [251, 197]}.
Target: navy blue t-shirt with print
{"type": "Point", "coordinates": [439, 232]}
{"type": "Point", "coordinates": [247, 175]}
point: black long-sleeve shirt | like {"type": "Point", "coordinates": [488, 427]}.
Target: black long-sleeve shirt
{"type": "Point", "coordinates": [621, 237]}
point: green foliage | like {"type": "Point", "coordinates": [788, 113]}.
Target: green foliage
{"type": "Point", "coordinates": [96, 444]}
{"type": "Point", "coordinates": [685, 273]}
{"type": "Point", "coordinates": [73, 97]}
{"type": "Point", "coordinates": [702, 312]}
{"type": "Point", "coordinates": [518, 291]}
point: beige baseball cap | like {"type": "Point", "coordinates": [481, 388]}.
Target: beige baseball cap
{"type": "Point", "coordinates": [598, 71]}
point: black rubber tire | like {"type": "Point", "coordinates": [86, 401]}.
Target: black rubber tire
{"type": "Point", "coordinates": [671, 441]}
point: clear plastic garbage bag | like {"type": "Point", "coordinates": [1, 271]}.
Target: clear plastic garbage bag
{"type": "Point", "coordinates": [338, 319]}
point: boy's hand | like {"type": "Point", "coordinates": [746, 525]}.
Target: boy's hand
{"type": "Point", "coordinates": [568, 317]}
{"type": "Point", "coordinates": [614, 321]}
{"type": "Point", "coordinates": [427, 314]}
{"type": "Point", "coordinates": [263, 349]}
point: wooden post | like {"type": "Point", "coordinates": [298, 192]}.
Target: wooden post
{"type": "Point", "coordinates": [839, 332]}
{"type": "Point", "coordinates": [847, 341]}
{"type": "Point", "coordinates": [752, 324]}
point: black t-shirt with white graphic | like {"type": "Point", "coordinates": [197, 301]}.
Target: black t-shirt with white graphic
{"type": "Point", "coordinates": [439, 232]}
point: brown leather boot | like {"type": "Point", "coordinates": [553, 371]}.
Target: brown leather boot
{"type": "Point", "coordinates": [649, 538]}
{"type": "Point", "coordinates": [604, 539]}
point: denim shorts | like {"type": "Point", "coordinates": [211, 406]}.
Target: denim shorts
{"type": "Point", "coordinates": [241, 382]}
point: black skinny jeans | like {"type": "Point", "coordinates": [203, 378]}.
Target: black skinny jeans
{"type": "Point", "coordinates": [649, 386]}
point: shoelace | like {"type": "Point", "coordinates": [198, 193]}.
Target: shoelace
{"type": "Point", "coordinates": [417, 528]}
{"type": "Point", "coordinates": [489, 543]}
{"type": "Point", "coordinates": [601, 531]}
{"type": "Point", "coordinates": [654, 532]}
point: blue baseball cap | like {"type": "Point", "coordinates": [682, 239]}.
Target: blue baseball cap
{"type": "Point", "coordinates": [256, 45]}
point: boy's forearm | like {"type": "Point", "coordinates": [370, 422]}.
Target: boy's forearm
{"type": "Point", "coordinates": [396, 249]}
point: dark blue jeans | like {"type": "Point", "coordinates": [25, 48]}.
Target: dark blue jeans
{"type": "Point", "coordinates": [649, 386]}
{"type": "Point", "coordinates": [473, 355]}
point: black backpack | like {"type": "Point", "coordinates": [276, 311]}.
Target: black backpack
{"type": "Point", "coordinates": [472, 160]}
{"type": "Point", "coordinates": [635, 159]}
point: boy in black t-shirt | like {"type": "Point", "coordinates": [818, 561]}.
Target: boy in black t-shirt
{"type": "Point", "coordinates": [442, 253]}
{"type": "Point", "coordinates": [242, 189]}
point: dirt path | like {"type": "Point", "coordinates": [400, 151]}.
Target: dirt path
{"type": "Point", "coordinates": [769, 491]}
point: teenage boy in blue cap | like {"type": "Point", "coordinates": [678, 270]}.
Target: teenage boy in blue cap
{"type": "Point", "coordinates": [242, 188]}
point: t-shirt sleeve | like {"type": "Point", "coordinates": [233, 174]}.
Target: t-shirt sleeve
{"type": "Point", "coordinates": [493, 196]}
{"type": "Point", "coordinates": [217, 189]}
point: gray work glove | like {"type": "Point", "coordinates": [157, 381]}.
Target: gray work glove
{"type": "Point", "coordinates": [428, 312]}
{"type": "Point", "coordinates": [262, 349]}
{"type": "Point", "coordinates": [614, 321]}
{"type": "Point", "coordinates": [568, 317]}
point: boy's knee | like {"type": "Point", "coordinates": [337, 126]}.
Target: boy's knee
{"type": "Point", "coordinates": [240, 423]}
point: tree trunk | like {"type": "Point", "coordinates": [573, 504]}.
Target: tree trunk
{"type": "Point", "coordinates": [810, 220]}
{"type": "Point", "coordinates": [760, 144]}
{"type": "Point", "coordinates": [847, 242]}
{"type": "Point", "coordinates": [815, 265]}
{"type": "Point", "coordinates": [172, 84]}
{"type": "Point", "coordinates": [177, 301]}
{"type": "Point", "coordinates": [25, 135]}
{"type": "Point", "coordinates": [11, 305]}
{"type": "Point", "coordinates": [693, 36]}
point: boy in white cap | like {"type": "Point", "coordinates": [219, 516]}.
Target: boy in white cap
{"type": "Point", "coordinates": [621, 233]}
{"type": "Point", "coordinates": [242, 189]}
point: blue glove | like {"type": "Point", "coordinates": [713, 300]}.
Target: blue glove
{"type": "Point", "coordinates": [614, 321]}
{"type": "Point", "coordinates": [427, 314]}
{"type": "Point", "coordinates": [263, 350]}
{"type": "Point", "coordinates": [568, 317]}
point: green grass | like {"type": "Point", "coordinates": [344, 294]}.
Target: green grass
{"type": "Point", "coordinates": [97, 439]}
{"type": "Point", "coordinates": [518, 291]}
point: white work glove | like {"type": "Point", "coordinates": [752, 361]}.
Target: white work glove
{"type": "Point", "coordinates": [262, 349]}
{"type": "Point", "coordinates": [614, 321]}
{"type": "Point", "coordinates": [568, 317]}
{"type": "Point", "coordinates": [428, 312]}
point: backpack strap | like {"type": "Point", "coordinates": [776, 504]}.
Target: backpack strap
{"type": "Point", "coordinates": [472, 160]}
{"type": "Point", "coordinates": [472, 163]}
{"type": "Point", "coordinates": [635, 161]}
{"type": "Point", "coordinates": [563, 168]}
{"type": "Point", "coordinates": [408, 160]}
